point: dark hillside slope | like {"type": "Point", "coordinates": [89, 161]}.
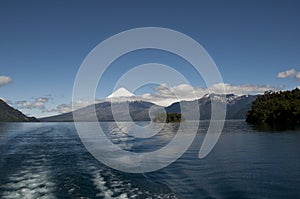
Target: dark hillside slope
{"type": "Point", "coordinates": [9, 114]}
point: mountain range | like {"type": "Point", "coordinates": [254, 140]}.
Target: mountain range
{"type": "Point", "coordinates": [237, 107]}
{"type": "Point", "coordinates": [123, 105]}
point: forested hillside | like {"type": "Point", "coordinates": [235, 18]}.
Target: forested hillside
{"type": "Point", "coordinates": [276, 108]}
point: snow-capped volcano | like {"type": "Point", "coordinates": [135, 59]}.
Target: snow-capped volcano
{"type": "Point", "coordinates": [121, 92]}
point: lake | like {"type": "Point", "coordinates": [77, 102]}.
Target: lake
{"type": "Point", "coordinates": [48, 160]}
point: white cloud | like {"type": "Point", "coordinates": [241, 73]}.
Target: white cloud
{"type": "Point", "coordinates": [38, 103]}
{"type": "Point", "coordinates": [298, 76]}
{"type": "Point", "coordinates": [4, 80]}
{"type": "Point", "coordinates": [165, 95]}
{"type": "Point", "coordinates": [41, 102]}
{"type": "Point", "coordinates": [180, 91]}
{"type": "Point", "coordinates": [65, 108]}
{"type": "Point", "coordinates": [289, 73]}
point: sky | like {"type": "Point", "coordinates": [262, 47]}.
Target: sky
{"type": "Point", "coordinates": [255, 45]}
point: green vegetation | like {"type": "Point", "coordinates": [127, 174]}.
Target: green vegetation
{"type": "Point", "coordinates": [276, 108]}
{"type": "Point", "coordinates": [168, 117]}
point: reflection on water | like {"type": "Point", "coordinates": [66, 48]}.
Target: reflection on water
{"type": "Point", "coordinates": [275, 128]}
{"type": "Point", "coordinates": [48, 160]}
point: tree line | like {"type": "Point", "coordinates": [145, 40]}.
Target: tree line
{"type": "Point", "coordinates": [276, 108]}
{"type": "Point", "coordinates": [168, 117]}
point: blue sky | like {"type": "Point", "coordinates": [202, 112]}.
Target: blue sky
{"type": "Point", "coordinates": [43, 43]}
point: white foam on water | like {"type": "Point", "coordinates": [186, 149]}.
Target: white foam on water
{"type": "Point", "coordinates": [30, 182]}
{"type": "Point", "coordinates": [100, 185]}
{"type": "Point", "coordinates": [120, 189]}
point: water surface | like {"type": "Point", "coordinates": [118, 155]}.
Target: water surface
{"type": "Point", "coordinates": [48, 160]}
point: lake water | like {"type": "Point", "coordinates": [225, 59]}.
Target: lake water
{"type": "Point", "coordinates": [48, 160]}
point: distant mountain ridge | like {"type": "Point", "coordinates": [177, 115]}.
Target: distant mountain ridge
{"type": "Point", "coordinates": [9, 114]}
{"type": "Point", "coordinates": [237, 107]}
